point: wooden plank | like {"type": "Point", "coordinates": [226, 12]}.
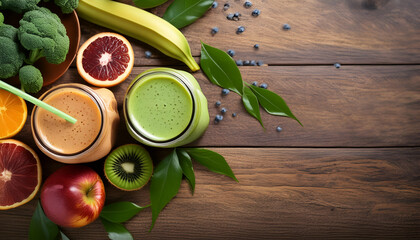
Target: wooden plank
{"type": "Point", "coordinates": [354, 106]}
{"type": "Point", "coordinates": [282, 193]}
{"type": "Point", "coordinates": [322, 32]}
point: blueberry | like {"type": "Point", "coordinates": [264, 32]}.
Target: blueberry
{"type": "Point", "coordinates": [263, 85]}
{"type": "Point", "coordinates": [239, 63]}
{"type": "Point", "coordinates": [223, 110]}
{"type": "Point", "coordinates": [229, 16]}
{"type": "Point", "coordinates": [256, 13]}
{"type": "Point", "coordinates": [279, 129]}
{"type": "Point", "coordinates": [255, 83]}
{"type": "Point", "coordinates": [247, 4]}
{"type": "Point", "coordinates": [260, 63]}
{"type": "Point", "coordinates": [337, 65]}
{"type": "Point", "coordinates": [256, 46]}
{"type": "Point", "coordinates": [246, 63]}
{"type": "Point", "coordinates": [234, 114]}
{"type": "Point", "coordinates": [218, 103]}
{"type": "Point", "coordinates": [231, 52]}
{"type": "Point", "coordinates": [214, 5]}
{"type": "Point", "coordinates": [286, 26]}
{"type": "Point", "coordinates": [226, 6]}
{"type": "Point", "coordinates": [218, 118]}
{"type": "Point", "coordinates": [225, 91]}
{"type": "Point", "coordinates": [240, 29]}
{"type": "Point", "coordinates": [253, 63]}
{"type": "Point", "coordinates": [214, 30]}
{"type": "Point", "coordinates": [237, 15]}
{"type": "Point", "coordinates": [148, 54]}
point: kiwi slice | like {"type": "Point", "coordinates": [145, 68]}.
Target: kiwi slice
{"type": "Point", "coordinates": [129, 167]}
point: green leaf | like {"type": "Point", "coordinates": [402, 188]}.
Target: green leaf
{"type": "Point", "coordinates": [184, 12]}
{"type": "Point", "coordinates": [41, 227]}
{"type": "Point", "coordinates": [220, 68]}
{"type": "Point", "coordinates": [116, 231]}
{"type": "Point", "coordinates": [273, 103]}
{"type": "Point", "coordinates": [120, 211]}
{"type": "Point", "coordinates": [165, 184]}
{"type": "Point", "coordinates": [251, 104]}
{"type": "Point", "coordinates": [63, 236]}
{"type": "Point", "coordinates": [148, 3]}
{"type": "Point", "coordinates": [187, 167]}
{"type": "Point", "coordinates": [211, 160]}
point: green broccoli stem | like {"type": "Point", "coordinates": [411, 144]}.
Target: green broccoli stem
{"type": "Point", "coordinates": [34, 55]}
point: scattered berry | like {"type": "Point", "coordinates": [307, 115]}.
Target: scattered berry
{"type": "Point", "coordinates": [214, 30]}
{"type": "Point", "coordinates": [218, 118]}
{"type": "Point", "coordinates": [260, 63]}
{"type": "Point", "coordinates": [240, 29]}
{"type": "Point", "coordinates": [337, 65]}
{"type": "Point", "coordinates": [256, 13]}
{"type": "Point", "coordinates": [215, 5]}
{"type": "Point", "coordinates": [223, 110]}
{"type": "Point", "coordinates": [239, 63]}
{"type": "Point", "coordinates": [225, 91]}
{"type": "Point", "coordinates": [218, 103]}
{"type": "Point", "coordinates": [286, 27]}
{"type": "Point", "coordinates": [263, 85]}
{"type": "Point", "coordinates": [234, 114]}
{"type": "Point", "coordinates": [236, 16]}
{"type": "Point", "coordinates": [256, 46]}
{"type": "Point", "coordinates": [246, 63]}
{"type": "Point", "coordinates": [231, 52]}
{"type": "Point", "coordinates": [226, 6]}
{"type": "Point", "coordinates": [253, 63]}
{"type": "Point", "coordinates": [255, 83]}
{"type": "Point", "coordinates": [279, 129]}
{"type": "Point", "coordinates": [148, 54]}
{"type": "Point", "coordinates": [230, 16]}
{"type": "Point", "coordinates": [247, 4]}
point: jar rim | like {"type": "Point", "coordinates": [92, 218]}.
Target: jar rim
{"type": "Point", "coordinates": [92, 95]}
{"type": "Point", "coordinates": [185, 83]}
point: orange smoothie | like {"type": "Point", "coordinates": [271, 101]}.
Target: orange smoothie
{"type": "Point", "coordinates": [90, 138]}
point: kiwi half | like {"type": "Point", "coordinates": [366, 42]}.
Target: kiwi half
{"type": "Point", "coordinates": [128, 167]}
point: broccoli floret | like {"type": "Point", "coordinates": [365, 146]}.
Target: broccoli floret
{"type": "Point", "coordinates": [1, 19]}
{"type": "Point", "coordinates": [42, 33]}
{"type": "Point", "coordinates": [31, 79]}
{"type": "Point", "coordinates": [11, 55]}
{"type": "Point", "coordinates": [19, 6]}
{"type": "Point", "coordinates": [67, 6]}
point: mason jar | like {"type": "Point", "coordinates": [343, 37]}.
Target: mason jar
{"type": "Point", "coordinates": [166, 108]}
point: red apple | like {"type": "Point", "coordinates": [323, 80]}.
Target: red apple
{"type": "Point", "coordinates": [73, 196]}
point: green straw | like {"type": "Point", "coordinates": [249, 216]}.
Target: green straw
{"type": "Point", "coordinates": [36, 101]}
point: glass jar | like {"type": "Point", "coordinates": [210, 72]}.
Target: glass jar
{"type": "Point", "coordinates": [166, 108]}
{"type": "Point", "coordinates": [90, 138]}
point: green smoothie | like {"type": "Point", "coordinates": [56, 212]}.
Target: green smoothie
{"type": "Point", "coordinates": [160, 106]}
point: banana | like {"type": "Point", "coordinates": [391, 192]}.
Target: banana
{"type": "Point", "coordinates": [139, 24]}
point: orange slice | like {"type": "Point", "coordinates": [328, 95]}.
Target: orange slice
{"type": "Point", "coordinates": [105, 59]}
{"type": "Point", "coordinates": [20, 174]}
{"type": "Point", "coordinates": [13, 113]}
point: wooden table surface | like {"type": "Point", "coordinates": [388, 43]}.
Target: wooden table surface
{"type": "Point", "coordinates": [352, 171]}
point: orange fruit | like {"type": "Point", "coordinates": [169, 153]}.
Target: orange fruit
{"type": "Point", "coordinates": [20, 174]}
{"type": "Point", "coordinates": [105, 59]}
{"type": "Point", "coordinates": [13, 113]}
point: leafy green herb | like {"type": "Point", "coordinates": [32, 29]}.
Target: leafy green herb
{"type": "Point", "coordinates": [41, 227]}
{"type": "Point", "coordinates": [273, 103]}
{"type": "Point", "coordinates": [250, 102]}
{"type": "Point", "coordinates": [120, 212]}
{"type": "Point", "coordinates": [165, 184]}
{"type": "Point", "coordinates": [116, 231]}
{"type": "Point", "coordinates": [184, 12]}
{"type": "Point", "coordinates": [187, 167]}
{"type": "Point", "coordinates": [211, 160]}
{"type": "Point", "coordinates": [220, 68]}
{"type": "Point", "coordinates": [148, 3]}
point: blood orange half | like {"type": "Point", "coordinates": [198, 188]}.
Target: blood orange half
{"type": "Point", "coordinates": [20, 174]}
{"type": "Point", "coordinates": [105, 60]}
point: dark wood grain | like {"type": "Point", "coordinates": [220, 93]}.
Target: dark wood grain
{"type": "Point", "coordinates": [282, 193]}
{"type": "Point", "coordinates": [323, 32]}
{"type": "Point", "coordinates": [354, 106]}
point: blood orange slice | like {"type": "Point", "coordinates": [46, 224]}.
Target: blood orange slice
{"type": "Point", "coordinates": [105, 59]}
{"type": "Point", "coordinates": [20, 174]}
